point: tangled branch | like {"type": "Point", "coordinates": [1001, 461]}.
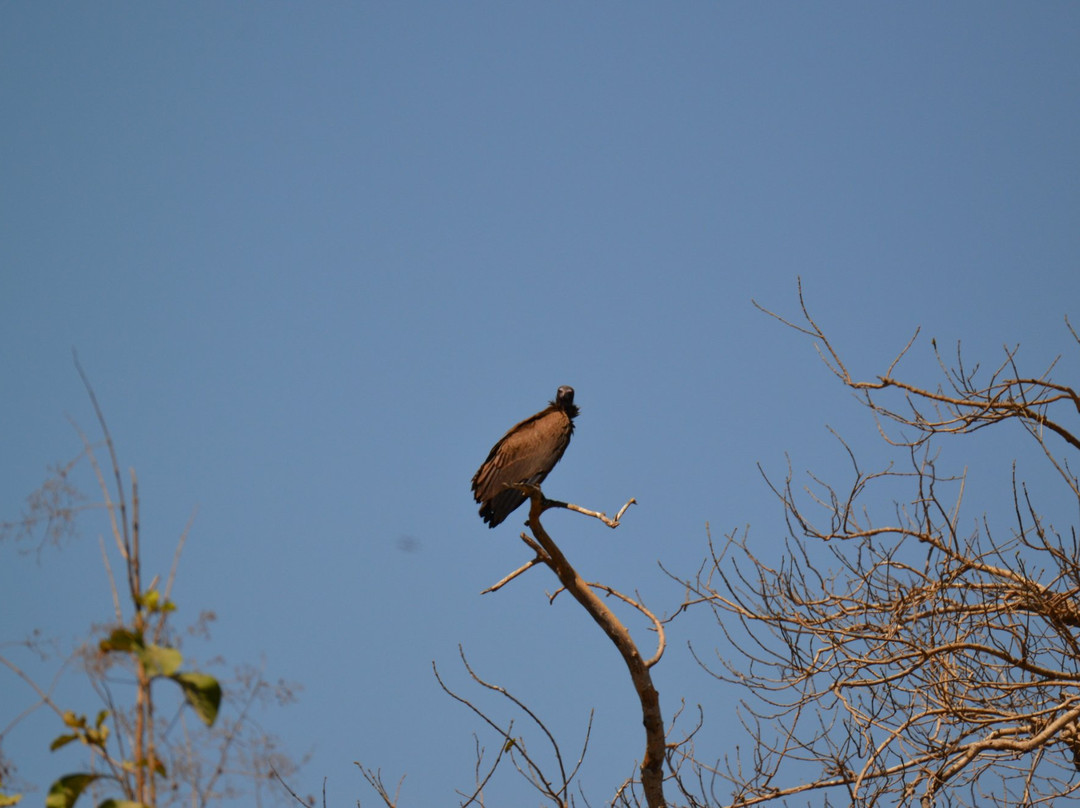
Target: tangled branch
{"type": "Point", "coordinates": [903, 657]}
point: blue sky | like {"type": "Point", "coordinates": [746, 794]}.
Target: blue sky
{"type": "Point", "coordinates": [316, 259]}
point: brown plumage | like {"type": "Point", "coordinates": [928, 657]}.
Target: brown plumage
{"type": "Point", "coordinates": [526, 454]}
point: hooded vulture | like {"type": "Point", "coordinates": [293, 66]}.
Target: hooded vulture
{"type": "Point", "coordinates": [525, 454]}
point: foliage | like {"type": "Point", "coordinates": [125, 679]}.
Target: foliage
{"type": "Point", "coordinates": [131, 753]}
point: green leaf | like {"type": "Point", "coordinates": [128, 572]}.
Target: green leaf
{"type": "Point", "coordinates": [202, 692]}
{"type": "Point", "coordinates": [101, 716]}
{"type": "Point", "coordinates": [62, 740]}
{"type": "Point", "coordinates": [120, 804]}
{"type": "Point", "coordinates": [160, 660]}
{"type": "Point", "coordinates": [122, 640]}
{"type": "Point", "coordinates": [67, 789]}
{"type": "Point", "coordinates": [97, 736]}
{"type": "Point", "coordinates": [74, 721]}
{"type": "Point", "coordinates": [7, 800]}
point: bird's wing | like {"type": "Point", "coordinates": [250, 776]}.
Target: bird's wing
{"type": "Point", "coordinates": [527, 453]}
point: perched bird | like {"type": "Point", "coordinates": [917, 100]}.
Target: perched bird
{"type": "Point", "coordinates": [525, 454]}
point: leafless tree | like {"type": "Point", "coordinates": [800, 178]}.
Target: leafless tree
{"type": "Point", "coordinates": [911, 656]}
{"type": "Point", "coordinates": [646, 786]}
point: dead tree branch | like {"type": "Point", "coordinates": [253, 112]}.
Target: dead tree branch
{"type": "Point", "coordinates": [905, 658]}
{"type": "Point", "coordinates": [528, 765]}
{"type": "Point", "coordinates": [652, 764]}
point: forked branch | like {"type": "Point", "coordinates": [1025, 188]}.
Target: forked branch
{"type": "Point", "coordinates": [652, 771]}
{"type": "Point", "coordinates": [903, 658]}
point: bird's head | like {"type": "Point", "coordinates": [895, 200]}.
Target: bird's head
{"type": "Point", "coordinates": [564, 400]}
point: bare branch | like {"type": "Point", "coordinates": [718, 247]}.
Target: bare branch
{"type": "Point", "coordinates": [603, 517]}
{"type": "Point", "coordinates": [900, 657]}
{"type": "Point", "coordinates": [652, 772]}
